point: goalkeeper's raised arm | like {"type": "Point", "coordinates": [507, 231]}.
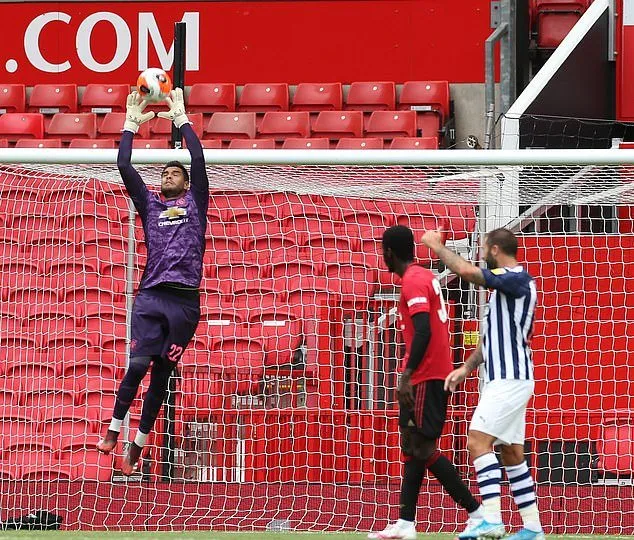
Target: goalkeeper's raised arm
{"type": "Point", "coordinates": [176, 114]}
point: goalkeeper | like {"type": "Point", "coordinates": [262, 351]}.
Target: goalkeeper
{"type": "Point", "coordinates": [166, 309]}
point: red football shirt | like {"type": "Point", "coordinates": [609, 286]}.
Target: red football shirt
{"type": "Point", "coordinates": [420, 292]}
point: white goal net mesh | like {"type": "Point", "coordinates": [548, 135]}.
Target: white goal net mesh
{"type": "Point", "coordinates": [283, 412]}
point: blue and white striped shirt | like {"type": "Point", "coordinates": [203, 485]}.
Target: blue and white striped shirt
{"type": "Point", "coordinates": [508, 324]}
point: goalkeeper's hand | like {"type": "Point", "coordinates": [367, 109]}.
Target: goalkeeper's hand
{"type": "Point", "coordinates": [176, 104]}
{"type": "Point", "coordinates": [134, 115]}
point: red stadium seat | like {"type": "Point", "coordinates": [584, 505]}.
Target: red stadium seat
{"type": "Point", "coordinates": [367, 223]}
{"type": "Point", "coordinates": [148, 144]}
{"type": "Point", "coordinates": [390, 124]}
{"type": "Point", "coordinates": [89, 464]}
{"type": "Point", "coordinates": [12, 98]}
{"type": "Point", "coordinates": [414, 143]}
{"type": "Point", "coordinates": [4, 143]}
{"type": "Point", "coordinates": [262, 144]}
{"type": "Point", "coordinates": [238, 352]}
{"type": "Point", "coordinates": [39, 143]}
{"type": "Point", "coordinates": [162, 128]}
{"type": "Point", "coordinates": [54, 400]}
{"type": "Point", "coordinates": [281, 125]}
{"type": "Point", "coordinates": [355, 283]}
{"type": "Point", "coordinates": [105, 320]}
{"type": "Point", "coordinates": [371, 96]}
{"type": "Point", "coordinates": [231, 125]}
{"type": "Point", "coordinates": [112, 124]}
{"type": "Point", "coordinates": [230, 274]}
{"type": "Point", "coordinates": [53, 98]}
{"type": "Point", "coordinates": [30, 298]}
{"type": "Point", "coordinates": [338, 124]}
{"type": "Point", "coordinates": [104, 98]}
{"type": "Point", "coordinates": [260, 97]}
{"type": "Point", "coordinates": [105, 250]}
{"type": "Point", "coordinates": [306, 144]}
{"type": "Point", "coordinates": [90, 368]}
{"type": "Point", "coordinates": [280, 331]}
{"type": "Point", "coordinates": [430, 99]}
{"type": "Point", "coordinates": [69, 126]}
{"type": "Point", "coordinates": [428, 124]}
{"type": "Point", "coordinates": [49, 321]}
{"type": "Point", "coordinates": [53, 247]}
{"type": "Point", "coordinates": [209, 98]}
{"type": "Point", "coordinates": [360, 144]}
{"type": "Point", "coordinates": [317, 97]}
{"type": "Point", "coordinates": [209, 144]}
{"type": "Point", "coordinates": [226, 251]}
{"type": "Point", "coordinates": [14, 126]}
{"type": "Point", "coordinates": [615, 447]}
{"type": "Point", "coordinates": [555, 19]}
{"type": "Point", "coordinates": [92, 143]}
{"type": "Point", "coordinates": [427, 97]}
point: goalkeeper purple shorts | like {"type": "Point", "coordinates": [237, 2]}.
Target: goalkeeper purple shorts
{"type": "Point", "coordinates": [164, 320]}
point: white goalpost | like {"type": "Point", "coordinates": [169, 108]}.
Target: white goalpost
{"type": "Point", "coordinates": [283, 413]}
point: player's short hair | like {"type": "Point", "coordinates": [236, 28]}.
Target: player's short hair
{"type": "Point", "coordinates": [503, 238]}
{"type": "Point", "coordinates": [180, 166]}
{"type": "Point", "coordinates": [400, 240]}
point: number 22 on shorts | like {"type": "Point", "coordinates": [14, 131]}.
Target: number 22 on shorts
{"type": "Point", "coordinates": [175, 353]}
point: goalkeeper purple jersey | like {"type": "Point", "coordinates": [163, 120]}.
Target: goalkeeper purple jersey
{"type": "Point", "coordinates": [175, 229]}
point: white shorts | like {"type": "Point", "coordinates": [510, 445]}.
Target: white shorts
{"type": "Point", "coordinates": [501, 411]}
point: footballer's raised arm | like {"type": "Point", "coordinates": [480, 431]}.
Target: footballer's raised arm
{"type": "Point", "coordinates": [459, 266]}
{"type": "Point", "coordinates": [132, 180]}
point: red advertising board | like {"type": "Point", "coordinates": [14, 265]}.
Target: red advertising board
{"type": "Point", "coordinates": [625, 63]}
{"type": "Point", "coordinates": [285, 41]}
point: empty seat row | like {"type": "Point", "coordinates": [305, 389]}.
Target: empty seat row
{"type": "Point", "coordinates": [215, 97]}
{"type": "Point", "coordinates": [226, 126]}
{"type": "Point", "coordinates": [297, 143]}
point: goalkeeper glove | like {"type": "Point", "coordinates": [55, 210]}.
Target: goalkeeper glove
{"type": "Point", "coordinates": [134, 116]}
{"type": "Point", "coordinates": [176, 104]}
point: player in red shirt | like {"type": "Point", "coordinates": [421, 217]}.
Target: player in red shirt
{"type": "Point", "coordinates": [421, 394]}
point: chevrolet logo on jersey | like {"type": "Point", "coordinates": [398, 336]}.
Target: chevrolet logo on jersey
{"type": "Point", "coordinates": [173, 216]}
{"type": "Point", "coordinates": [173, 213]}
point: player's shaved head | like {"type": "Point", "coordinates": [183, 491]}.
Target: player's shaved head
{"type": "Point", "coordinates": [504, 239]}
{"type": "Point", "coordinates": [398, 247]}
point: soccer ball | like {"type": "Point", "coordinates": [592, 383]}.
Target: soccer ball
{"type": "Point", "coordinates": [154, 84]}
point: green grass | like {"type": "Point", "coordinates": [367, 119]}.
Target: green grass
{"type": "Point", "coordinates": [211, 535]}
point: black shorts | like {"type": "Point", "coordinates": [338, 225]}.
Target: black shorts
{"type": "Point", "coordinates": [163, 322]}
{"type": "Point", "coordinates": [427, 419]}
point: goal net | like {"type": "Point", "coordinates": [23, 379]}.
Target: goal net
{"type": "Point", "coordinates": [283, 414]}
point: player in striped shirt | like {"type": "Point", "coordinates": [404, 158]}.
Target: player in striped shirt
{"type": "Point", "coordinates": [499, 419]}
{"type": "Point", "coordinates": [421, 393]}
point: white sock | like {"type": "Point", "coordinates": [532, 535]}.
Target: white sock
{"type": "Point", "coordinates": [523, 490]}
{"type": "Point", "coordinates": [478, 513]}
{"type": "Point", "coordinates": [115, 425]}
{"type": "Point", "coordinates": [140, 439]}
{"type": "Point", "coordinates": [489, 475]}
